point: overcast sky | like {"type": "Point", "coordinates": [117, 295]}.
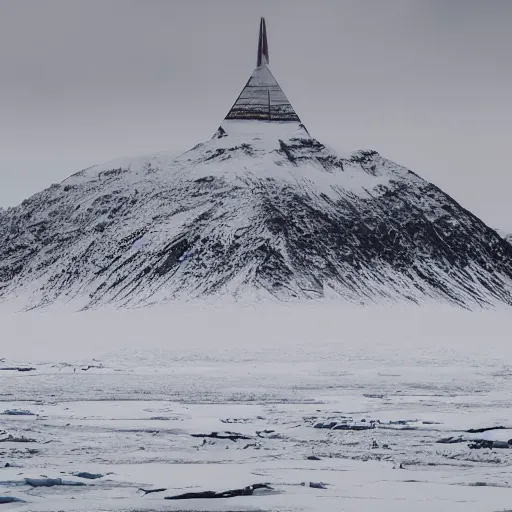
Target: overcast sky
{"type": "Point", "coordinates": [426, 83]}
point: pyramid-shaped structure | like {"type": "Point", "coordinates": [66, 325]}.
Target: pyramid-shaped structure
{"type": "Point", "coordinates": [262, 99]}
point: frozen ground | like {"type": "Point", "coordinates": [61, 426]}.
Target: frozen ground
{"type": "Point", "coordinates": [129, 395]}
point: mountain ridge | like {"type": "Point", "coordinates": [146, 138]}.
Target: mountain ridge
{"type": "Point", "coordinates": [506, 236]}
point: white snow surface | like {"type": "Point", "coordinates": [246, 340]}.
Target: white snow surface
{"type": "Point", "coordinates": [121, 393]}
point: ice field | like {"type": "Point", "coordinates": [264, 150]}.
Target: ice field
{"type": "Point", "coordinates": [372, 406]}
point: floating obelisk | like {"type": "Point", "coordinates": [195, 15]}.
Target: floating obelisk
{"type": "Point", "coordinates": [262, 99]}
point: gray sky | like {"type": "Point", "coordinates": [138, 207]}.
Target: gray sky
{"type": "Point", "coordinates": [427, 83]}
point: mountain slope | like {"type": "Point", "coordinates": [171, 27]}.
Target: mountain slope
{"type": "Point", "coordinates": [262, 210]}
{"type": "Point", "coordinates": [504, 235]}
{"type": "Point", "coordinates": [250, 216]}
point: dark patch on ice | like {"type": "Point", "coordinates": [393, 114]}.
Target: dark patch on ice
{"type": "Point", "coordinates": [151, 491]}
{"type": "Point", "coordinates": [256, 446]}
{"type": "Point", "coordinates": [17, 439]}
{"type": "Point", "coordinates": [17, 369]}
{"type": "Point", "coordinates": [451, 440]}
{"type": "Point", "coordinates": [18, 412]}
{"type": "Point", "coordinates": [51, 482]}
{"type": "Point", "coordinates": [89, 476]}
{"type": "Point", "coordinates": [10, 499]}
{"type": "Point", "coordinates": [485, 429]}
{"type": "Point", "coordinates": [344, 425]}
{"type": "Point", "coordinates": [264, 433]}
{"type": "Point", "coordinates": [317, 485]}
{"type": "Point", "coordinates": [236, 420]}
{"type": "Point", "coordinates": [232, 436]}
{"type": "Point", "coordinates": [485, 484]}
{"type": "Point", "coordinates": [89, 366]}
{"type": "Point", "coordinates": [484, 443]}
{"type": "Point", "coordinates": [476, 444]}
{"type": "Point", "coordinates": [245, 491]}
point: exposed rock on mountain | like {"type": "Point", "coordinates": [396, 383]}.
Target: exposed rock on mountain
{"type": "Point", "coordinates": [505, 236]}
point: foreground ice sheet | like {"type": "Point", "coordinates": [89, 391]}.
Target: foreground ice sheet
{"type": "Point", "coordinates": [137, 395]}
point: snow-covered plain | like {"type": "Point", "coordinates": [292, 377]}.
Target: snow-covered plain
{"type": "Point", "coordinates": [122, 394]}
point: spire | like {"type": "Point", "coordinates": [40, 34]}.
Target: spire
{"type": "Point", "coordinates": [262, 99]}
{"type": "Point", "coordinates": [263, 59]}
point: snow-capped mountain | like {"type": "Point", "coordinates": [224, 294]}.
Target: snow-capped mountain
{"type": "Point", "coordinates": [262, 210]}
